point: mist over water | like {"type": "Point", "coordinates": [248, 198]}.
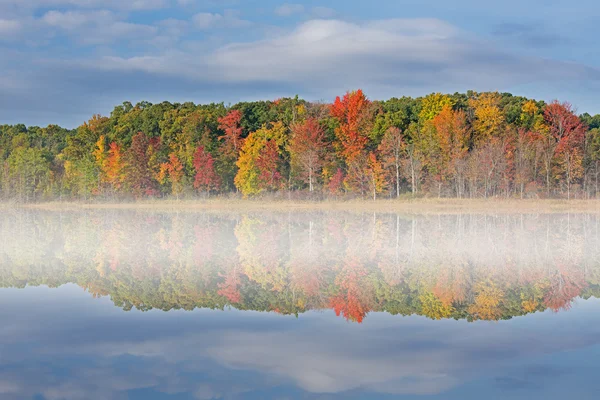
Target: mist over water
{"type": "Point", "coordinates": [122, 304]}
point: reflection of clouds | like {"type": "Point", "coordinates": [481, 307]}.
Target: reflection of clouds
{"type": "Point", "coordinates": [334, 364]}
{"type": "Point", "coordinates": [215, 354]}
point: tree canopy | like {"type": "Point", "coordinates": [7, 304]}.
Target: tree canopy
{"type": "Point", "coordinates": [461, 145]}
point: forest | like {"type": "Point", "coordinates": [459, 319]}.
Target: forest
{"type": "Point", "coordinates": [471, 145]}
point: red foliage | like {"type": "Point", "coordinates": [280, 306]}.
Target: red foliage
{"type": "Point", "coordinates": [565, 127]}
{"type": "Point", "coordinates": [267, 164]}
{"type": "Point", "coordinates": [139, 173]}
{"type": "Point", "coordinates": [352, 115]}
{"type": "Point", "coordinates": [230, 124]}
{"type": "Point", "coordinates": [206, 177]}
{"type": "Point", "coordinates": [352, 301]}
{"type": "Point", "coordinates": [307, 145]}
{"type": "Point", "coordinates": [336, 183]}
{"type": "Point", "coordinates": [230, 286]}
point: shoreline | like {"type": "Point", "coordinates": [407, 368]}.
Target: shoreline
{"type": "Point", "coordinates": [407, 206]}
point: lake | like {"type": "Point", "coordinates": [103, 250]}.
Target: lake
{"type": "Point", "coordinates": [125, 304]}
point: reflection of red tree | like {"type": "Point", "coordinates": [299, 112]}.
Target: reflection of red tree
{"type": "Point", "coordinates": [308, 279]}
{"type": "Point", "coordinates": [353, 300]}
{"type": "Point", "coordinates": [229, 288]}
{"type": "Point", "coordinates": [451, 286]}
{"type": "Point", "coordinates": [565, 285]}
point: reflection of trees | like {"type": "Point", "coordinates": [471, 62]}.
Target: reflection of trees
{"type": "Point", "coordinates": [462, 266]}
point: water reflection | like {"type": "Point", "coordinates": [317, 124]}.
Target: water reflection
{"type": "Point", "coordinates": [472, 267]}
{"type": "Point", "coordinates": [410, 294]}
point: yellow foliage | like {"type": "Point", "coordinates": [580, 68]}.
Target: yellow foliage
{"type": "Point", "coordinates": [489, 117]}
{"type": "Point", "coordinates": [530, 108]}
{"type": "Point", "coordinates": [433, 308]}
{"type": "Point", "coordinates": [432, 105]}
{"type": "Point", "coordinates": [488, 300]}
{"type": "Point", "coordinates": [247, 176]}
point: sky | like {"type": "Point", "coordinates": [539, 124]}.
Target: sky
{"type": "Point", "coordinates": [61, 61]}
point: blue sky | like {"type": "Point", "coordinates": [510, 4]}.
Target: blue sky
{"type": "Point", "coordinates": [64, 60]}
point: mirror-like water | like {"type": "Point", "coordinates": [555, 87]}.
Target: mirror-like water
{"type": "Point", "coordinates": [150, 305]}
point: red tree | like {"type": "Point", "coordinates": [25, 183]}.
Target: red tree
{"type": "Point", "coordinates": [336, 184]}
{"type": "Point", "coordinates": [268, 166]}
{"type": "Point", "coordinates": [306, 147]}
{"type": "Point", "coordinates": [206, 178]}
{"type": "Point", "coordinates": [232, 139]}
{"type": "Point", "coordinates": [115, 166]}
{"type": "Point", "coordinates": [139, 174]}
{"type": "Point", "coordinates": [353, 117]}
{"type": "Point", "coordinates": [566, 140]}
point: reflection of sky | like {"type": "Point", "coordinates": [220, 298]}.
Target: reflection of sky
{"type": "Point", "coordinates": [64, 344]}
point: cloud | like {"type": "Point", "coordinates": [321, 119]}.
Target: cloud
{"type": "Point", "coordinates": [8, 27]}
{"type": "Point", "coordinates": [286, 10]}
{"type": "Point", "coordinates": [316, 59]}
{"type": "Point", "coordinates": [97, 27]}
{"type": "Point", "coordinates": [333, 55]}
{"type": "Point", "coordinates": [229, 19]}
{"type": "Point", "coordinates": [75, 19]}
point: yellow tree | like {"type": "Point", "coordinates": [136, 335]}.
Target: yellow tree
{"type": "Point", "coordinates": [452, 137]}
{"type": "Point", "coordinates": [173, 172]}
{"type": "Point", "coordinates": [100, 156]}
{"type": "Point", "coordinates": [248, 178]}
{"type": "Point", "coordinates": [432, 105]}
{"type": "Point", "coordinates": [114, 169]}
{"type": "Point", "coordinates": [488, 301]}
{"type": "Point", "coordinates": [489, 118]}
{"type": "Point", "coordinates": [376, 174]}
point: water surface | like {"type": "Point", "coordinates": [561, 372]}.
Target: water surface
{"type": "Point", "coordinates": [153, 305]}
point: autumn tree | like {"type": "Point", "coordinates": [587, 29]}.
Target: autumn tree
{"type": "Point", "coordinates": [336, 183]}
{"type": "Point", "coordinates": [527, 145]}
{"type": "Point", "coordinates": [489, 119]}
{"type": "Point", "coordinates": [231, 142]}
{"type": "Point", "coordinates": [172, 171]}
{"type": "Point", "coordinates": [256, 156]}
{"type": "Point", "coordinates": [267, 164]}
{"type": "Point", "coordinates": [352, 114]}
{"type": "Point", "coordinates": [139, 175]}
{"type": "Point", "coordinates": [453, 139]}
{"type": "Point", "coordinates": [307, 148]}
{"type": "Point", "coordinates": [376, 175]}
{"type": "Point", "coordinates": [114, 167]}
{"type": "Point", "coordinates": [393, 148]}
{"type": "Point", "coordinates": [432, 105]}
{"type": "Point", "coordinates": [564, 142]}
{"type": "Point", "coordinates": [206, 178]}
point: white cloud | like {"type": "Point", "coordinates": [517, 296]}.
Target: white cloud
{"type": "Point", "coordinates": [317, 59]}
{"type": "Point", "coordinates": [75, 19]}
{"type": "Point", "coordinates": [333, 55]}
{"type": "Point", "coordinates": [286, 10]}
{"type": "Point", "coordinates": [229, 19]}
{"type": "Point", "coordinates": [97, 27]}
{"type": "Point", "coordinates": [8, 27]}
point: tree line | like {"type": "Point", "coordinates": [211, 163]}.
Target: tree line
{"type": "Point", "coordinates": [462, 145]}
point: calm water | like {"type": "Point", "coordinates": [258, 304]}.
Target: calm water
{"type": "Point", "coordinates": [140, 305]}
